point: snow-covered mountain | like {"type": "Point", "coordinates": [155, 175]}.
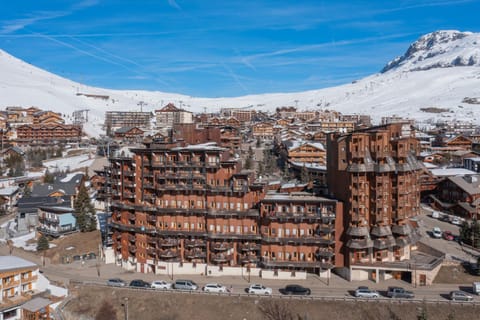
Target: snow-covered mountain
{"type": "Point", "coordinates": [438, 78]}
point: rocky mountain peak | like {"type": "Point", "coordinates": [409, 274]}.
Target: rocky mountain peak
{"type": "Point", "coordinates": [439, 49]}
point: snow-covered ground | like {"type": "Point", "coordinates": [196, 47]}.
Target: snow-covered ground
{"type": "Point", "coordinates": [70, 163]}
{"type": "Point", "coordinates": [449, 60]}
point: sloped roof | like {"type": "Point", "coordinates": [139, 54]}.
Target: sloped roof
{"type": "Point", "coordinates": [470, 185]}
{"type": "Point", "coordinates": [13, 262]}
{"type": "Point", "coordinates": [66, 187]}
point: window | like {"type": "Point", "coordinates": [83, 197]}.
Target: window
{"type": "Point", "coordinates": [212, 227]}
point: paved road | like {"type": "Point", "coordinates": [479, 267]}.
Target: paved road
{"type": "Point", "coordinates": [452, 249]}
{"type": "Point", "coordinates": [334, 287]}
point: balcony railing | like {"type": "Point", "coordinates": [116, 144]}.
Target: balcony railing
{"type": "Point", "coordinates": [221, 246]}
{"type": "Point", "coordinates": [195, 243]}
{"type": "Point", "coordinates": [168, 253]}
{"type": "Point", "coordinates": [168, 243]}
{"type": "Point", "coordinates": [195, 254]}
{"type": "Point", "coordinates": [220, 257]}
{"type": "Point", "coordinates": [249, 247]}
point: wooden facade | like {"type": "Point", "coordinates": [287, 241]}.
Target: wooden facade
{"type": "Point", "coordinates": [376, 174]}
{"type": "Point", "coordinates": [40, 134]}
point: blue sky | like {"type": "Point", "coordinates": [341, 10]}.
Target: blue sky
{"type": "Point", "coordinates": [222, 48]}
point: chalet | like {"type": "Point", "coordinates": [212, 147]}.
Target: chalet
{"type": "Point", "coordinates": [170, 115]}
{"type": "Point", "coordinates": [47, 117]}
{"type": "Point", "coordinates": [19, 282]}
{"type": "Point", "coordinates": [307, 152]}
{"type": "Point", "coordinates": [129, 134]}
{"type": "Point", "coordinates": [461, 195]}
{"type": "Point", "coordinates": [263, 131]}
{"type": "Point", "coordinates": [48, 133]}
{"type": "Point", "coordinates": [56, 221]}
{"type": "Point", "coordinates": [233, 122]}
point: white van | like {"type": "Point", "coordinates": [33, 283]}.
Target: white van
{"type": "Point", "coordinates": [435, 214]}
{"type": "Point", "coordinates": [476, 288]}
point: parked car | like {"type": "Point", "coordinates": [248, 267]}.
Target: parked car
{"type": "Point", "coordinates": [185, 285]}
{"type": "Point", "coordinates": [460, 296]}
{"type": "Point", "coordinates": [398, 292]}
{"type": "Point", "coordinates": [259, 289]}
{"type": "Point", "coordinates": [448, 235]}
{"type": "Point", "coordinates": [436, 232]}
{"type": "Point", "coordinates": [456, 221]}
{"type": "Point", "coordinates": [296, 289]}
{"type": "Point", "coordinates": [139, 284]}
{"type": "Point", "coordinates": [161, 284]}
{"type": "Point", "coordinates": [365, 292]}
{"type": "Point", "coordinates": [476, 288]}
{"type": "Point", "coordinates": [116, 282]}
{"type": "Point", "coordinates": [214, 287]}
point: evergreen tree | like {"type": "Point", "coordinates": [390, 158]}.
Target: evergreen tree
{"type": "Point", "coordinates": [304, 175]}
{"type": "Point", "coordinates": [48, 178]}
{"type": "Point", "coordinates": [249, 159]}
{"type": "Point", "coordinates": [470, 233]}
{"type": "Point", "coordinates": [42, 243]}
{"type": "Point", "coordinates": [84, 211]}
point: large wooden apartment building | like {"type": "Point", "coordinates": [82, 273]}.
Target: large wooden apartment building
{"type": "Point", "coordinates": [193, 205]}
{"type": "Point", "coordinates": [376, 174]}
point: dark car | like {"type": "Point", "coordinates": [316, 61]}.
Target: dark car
{"type": "Point", "coordinates": [139, 284]}
{"type": "Point", "coordinates": [296, 290]}
{"type": "Point", "coordinates": [400, 293]}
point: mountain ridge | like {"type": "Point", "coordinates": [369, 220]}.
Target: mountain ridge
{"type": "Point", "coordinates": [405, 89]}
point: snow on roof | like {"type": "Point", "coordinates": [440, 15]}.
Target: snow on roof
{"type": "Point", "coordinates": [202, 146]}
{"type": "Point", "coordinates": [8, 191]}
{"type": "Point", "coordinates": [448, 172]}
{"type": "Point", "coordinates": [309, 165]}
{"type": "Point", "coordinates": [429, 165]}
{"type": "Point", "coordinates": [12, 263]}
{"type": "Point", "coordinates": [70, 176]}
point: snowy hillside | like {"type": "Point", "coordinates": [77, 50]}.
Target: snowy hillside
{"type": "Point", "coordinates": [439, 70]}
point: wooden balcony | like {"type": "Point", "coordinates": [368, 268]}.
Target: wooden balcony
{"type": "Point", "coordinates": [220, 257]}
{"type": "Point", "coordinates": [249, 246]}
{"type": "Point", "coordinates": [221, 246]}
{"type": "Point", "coordinates": [166, 243]}
{"type": "Point", "coordinates": [195, 254]}
{"type": "Point", "coordinates": [168, 254]}
{"type": "Point", "coordinates": [195, 243]}
{"type": "Point", "coordinates": [248, 258]}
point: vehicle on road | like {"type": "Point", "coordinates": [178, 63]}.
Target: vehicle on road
{"type": "Point", "coordinates": [436, 232]}
{"type": "Point", "coordinates": [296, 289]}
{"type": "Point", "coordinates": [456, 221]}
{"type": "Point", "coordinates": [139, 283]}
{"type": "Point", "coordinates": [259, 289]}
{"type": "Point", "coordinates": [435, 214]}
{"type": "Point", "coordinates": [398, 292]}
{"type": "Point", "coordinates": [161, 284]}
{"type": "Point", "coordinates": [116, 282]}
{"type": "Point", "coordinates": [365, 292]}
{"type": "Point", "coordinates": [214, 287]}
{"type": "Point", "coordinates": [448, 235]}
{"type": "Point", "coordinates": [185, 285]}
{"type": "Point", "coordinates": [476, 288]}
{"type": "Point", "coordinates": [460, 296]}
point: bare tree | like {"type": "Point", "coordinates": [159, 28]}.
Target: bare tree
{"type": "Point", "coordinates": [275, 310]}
{"type": "Point", "coordinates": [106, 312]}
